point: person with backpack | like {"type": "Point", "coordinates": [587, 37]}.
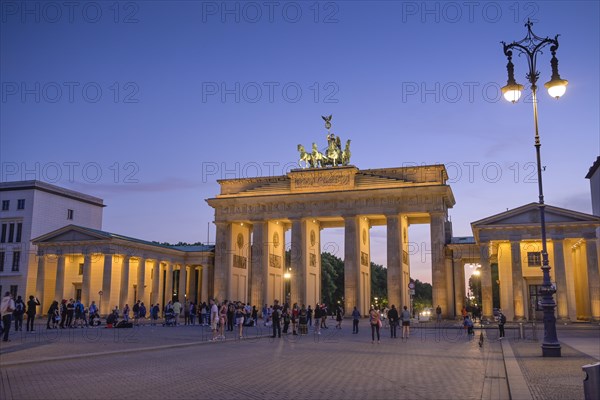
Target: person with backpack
{"type": "Point", "coordinates": [18, 313]}
{"type": "Point", "coordinates": [31, 311]}
{"type": "Point", "coordinates": [136, 312]}
{"type": "Point", "coordinates": [53, 314]}
{"type": "Point", "coordinates": [79, 314]}
{"type": "Point", "coordinates": [501, 322]}
{"type": "Point", "coordinates": [142, 311]}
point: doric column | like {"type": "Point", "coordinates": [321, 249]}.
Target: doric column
{"type": "Point", "coordinates": [222, 260]}
{"type": "Point", "coordinates": [517, 280]}
{"type": "Point", "coordinates": [298, 262]}
{"type": "Point", "coordinates": [394, 261]}
{"type": "Point", "coordinates": [59, 291]}
{"type": "Point", "coordinates": [155, 282]}
{"type": "Point", "coordinates": [169, 283]}
{"type": "Point", "coordinates": [560, 275]}
{"type": "Point", "coordinates": [181, 291]}
{"type": "Point", "coordinates": [141, 279]}
{"type": "Point", "coordinates": [124, 293]}
{"type": "Point", "coordinates": [486, 282]}
{"type": "Point", "coordinates": [259, 264]}
{"type": "Point", "coordinates": [204, 289]}
{"type": "Point", "coordinates": [438, 264]}
{"type": "Point", "coordinates": [351, 263]}
{"type": "Point", "coordinates": [593, 270]}
{"type": "Point", "coordinates": [458, 266]}
{"type": "Point", "coordinates": [193, 285]}
{"type": "Point", "coordinates": [105, 307]}
{"type": "Point", "coordinates": [41, 279]}
{"type": "Point", "coordinates": [86, 279]}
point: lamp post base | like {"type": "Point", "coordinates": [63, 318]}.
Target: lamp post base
{"type": "Point", "coordinates": [551, 350]}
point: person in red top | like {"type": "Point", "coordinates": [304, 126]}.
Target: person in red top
{"type": "Point", "coordinates": [295, 314]}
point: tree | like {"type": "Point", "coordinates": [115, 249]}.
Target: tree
{"type": "Point", "coordinates": [475, 286]}
{"type": "Point", "coordinates": [423, 297]}
{"type": "Point", "coordinates": [332, 278]}
{"type": "Point", "coordinates": [379, 283]}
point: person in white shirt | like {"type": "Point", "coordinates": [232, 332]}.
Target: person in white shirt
{"type": "Point", "coordinates": [7, 306]}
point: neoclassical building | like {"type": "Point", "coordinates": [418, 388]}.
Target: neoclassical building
{"type": "Point", "coordinates": [510, 241]}
{"type": "Point", "coordinates": [253, 214]}
{"type": "Point", "coordinates": [115, 270]}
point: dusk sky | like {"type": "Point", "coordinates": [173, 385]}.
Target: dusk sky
{"type": "Point", "coordinates": [146, 104]}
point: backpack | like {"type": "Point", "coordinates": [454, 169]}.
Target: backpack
{"type": "Point", "coordinates": [19, 308]}
{"type": "Point", "coordinates": [79, 308]}
{"type": "Point", "coordinates": [503, 319]}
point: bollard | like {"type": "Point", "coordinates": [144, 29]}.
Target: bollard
{"type": "Point", "coordinates": [521, 332]}
{"type": "Point", "coordinates": [591, 383]}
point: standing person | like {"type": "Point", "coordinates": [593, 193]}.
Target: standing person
{"type": "Point", "coordinates": [79, 314]}
{"type": "Point", "coordinates": [285, 316]}
{"type": "Point", "coordinates": [126, 313]}
{"type": "Point", "coordinates": [276, 319]}
{"type": "Point", "coordinates": [177, 310]}
{"type": "Point", "coordinates": [192, 312]}
{"type": "Point", "coordinates": [339, 316]}
{"type": "Point", "coordinates": [18, 313]}
{"type": "Point", "coordinates": [93, 313]}
{"type": "Point", "coordinates": [265, 314]}
{"type": "Point", "coordinates": [186, 313]}
{"type": "Point", "coordinates": [375, 324]}
{"type": "Point", "coordinates": [309, 314]}
{"type": "Point", "coordinates": [230, 316]}
{"type": "Point", "coordinates": [355, 320]}
{"type": "Point", "coordinates": [136, 313]}
{"type": "Point", "coordinates": [223, 318]}
{"type": "Point", "coordinates": [405, 318]}
{"type": "Point", "coordinates": [7, 306]}
{"type": "Point", "coordinates": [240, 313]}
{"type": "Point", "coordinates": [214, 318]}
{"type": "Point", "coordinates": [317, 319]}
{"type": "Point", "coordinates": [295, 315]}
{"type": "Point", "coordinates": [203, 314]}
{"type": "Point", "coordinates": [142, 311]}
{"type": "Point", "coordinates": [393, 318]}
{"type": "Point", "coordinates": [468, 323]}
{"type": "Point", "coordinates": [324, 316]}
{"type": "Point", "coordinates": [438, 313]}
{"type": "Point", "coordinates": [52, 314]}
{"type": "Point", "coordinates": [255, 315]}
{"type": "Point", "coordinates": [501, 322]}
{"type": "Point", "coordinates": [154, 310]}
{"type": "Point", "coordinates": [63, 313]}
{"type": "Point", "coordinates": [70, 313]}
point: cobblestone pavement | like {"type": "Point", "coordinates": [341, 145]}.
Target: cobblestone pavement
{"type": "Point", "coordinates": [548, 377]}
{"type": "Point", "coordinates": [432, 364]}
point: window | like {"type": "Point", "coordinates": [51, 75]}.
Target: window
{"type": "Point", "coordinates": [19, 232]}
{"type": "Point", "coordinates": [2, 258]}
{"type": "Point", "coordinates": [535, 297]}
{"type": "Point", "coordinates": [11, 232]}
{"type": "Point", "coordinates": [5, 205]}
{"type": "Point", "coordinates": [21, 204]}
{"type": "Point", "coordinates": [13, 290]}
{"type": "Point", "coordinates": [534, 259]}
{"type": "Point", "coordinates": [69, 214]}
{"type": "Point", "coordinates": [16, 260]}
{"type": "Point", "coordinates": [3, 236]}
{"type": "Point", "coordinates": [81, 269]}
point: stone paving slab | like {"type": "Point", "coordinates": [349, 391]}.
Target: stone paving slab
{"type": "Point", "coordinates": [432, 364]}
{"type": "Point", "coordinates": [551, 377]}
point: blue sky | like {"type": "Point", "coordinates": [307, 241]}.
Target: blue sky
{"type": "Point", "coordinates": [147, 103]}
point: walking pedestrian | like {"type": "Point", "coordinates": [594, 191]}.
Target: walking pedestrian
{"type": "Point", "coordinates": [375, 324]}
{"type": "Point", "coordinates": [339, 316]}
{"type": "Point", "coordinates": [53, 313]}
{"type": "Point", "coordinates": [214, 319]}
{"type": "Point", "coordinates": [438, 313]}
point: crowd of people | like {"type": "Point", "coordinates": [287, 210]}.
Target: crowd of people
{"type": "Point", "coordinates": [225, 316]}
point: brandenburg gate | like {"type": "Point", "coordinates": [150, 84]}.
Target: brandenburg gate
{"type": "Point", "coordinates": [253, 214]}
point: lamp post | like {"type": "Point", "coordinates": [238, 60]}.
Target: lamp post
{"type": "Point", "coordinates": [531, 46]}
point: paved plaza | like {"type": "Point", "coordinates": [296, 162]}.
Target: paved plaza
{"type": "Point", "coordinates": [157, 362]}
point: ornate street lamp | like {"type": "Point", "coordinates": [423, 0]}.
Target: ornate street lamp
{"type": "Point", "coordinates": [531, 46]}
